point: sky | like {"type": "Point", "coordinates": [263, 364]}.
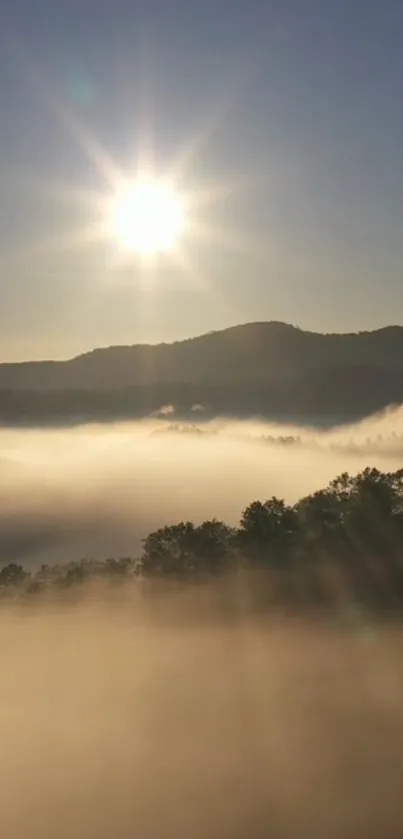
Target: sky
{"type": "Point", "coordinates": [287, 115]}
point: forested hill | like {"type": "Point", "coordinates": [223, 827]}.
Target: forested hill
{"type": "Point", "coordinates": [272, 369]}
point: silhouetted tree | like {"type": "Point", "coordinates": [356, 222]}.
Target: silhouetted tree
{"type": "Point", "coordinates": [185, 548]}
{"type": "Point", "coordinates": [118, 568]}
{"type": "Point", "coordinates": [342, 541]}
{"type": "Point", "coordinates": [268, 530]}
{"type": "Point", "coordinates": [13, 575]}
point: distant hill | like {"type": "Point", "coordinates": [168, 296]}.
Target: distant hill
{"type": "Point", "coordinates": [272, 369]}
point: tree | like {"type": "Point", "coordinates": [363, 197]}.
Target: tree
{"type": "Point", "coordinates": [268, 530]}
{"type": "Point", "coordinates": [118, 568]}
{"type": "Point", "coordinates": [214, 544]}
{"type": "Point", "coordinates": [184, 548]}
{"type": "Point", "coordinates": [13, 575]}
{"type": "Point", "coordinates": [320, 517]}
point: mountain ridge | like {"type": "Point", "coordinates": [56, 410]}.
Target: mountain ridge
{"type": "Point", "coordinates": [271, 324]}
{"type": "Point", "coordinates": [236, 328]}
{"type": "Point", "coordinates": [268, 368]}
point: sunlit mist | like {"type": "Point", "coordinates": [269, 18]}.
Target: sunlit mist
{"type": "Point", "coordinates": [116, 721]}
{"type": "Point", "coordinates": [97, 490]}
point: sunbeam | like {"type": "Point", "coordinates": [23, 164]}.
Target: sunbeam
{"type": "Point", "coordinates": [141, 214]}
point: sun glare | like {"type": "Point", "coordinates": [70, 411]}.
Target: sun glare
{"type": "Point", "coordinates": [147, 217]}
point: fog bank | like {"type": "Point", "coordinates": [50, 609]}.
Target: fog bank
{"type": "Point", "coordinates": [97, 490]}
{"type": "Point", "coordinates": [116, 723]}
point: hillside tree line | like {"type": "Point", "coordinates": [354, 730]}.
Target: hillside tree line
{"type": "Point", "coordinates": [343, 541]}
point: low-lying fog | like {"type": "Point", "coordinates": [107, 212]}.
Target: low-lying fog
{"type": "Point", "coordinates": [96, 490]}
{"type": "Point", "coordinates": [115, 723]}
{"type": "Point", "coordinates": [134, 716]}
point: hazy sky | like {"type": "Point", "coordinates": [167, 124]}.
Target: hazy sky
{"type": "Point", "coordinates": [294, 105]}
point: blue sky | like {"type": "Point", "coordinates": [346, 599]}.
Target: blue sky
{"type": "Point", "coordinates": [304, 103]}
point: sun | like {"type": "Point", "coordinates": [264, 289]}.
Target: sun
{"type": "Point", "coordinates": [147, 216]}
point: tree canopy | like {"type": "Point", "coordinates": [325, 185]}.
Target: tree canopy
{"type": "Point", "coordinates": [345, 538]}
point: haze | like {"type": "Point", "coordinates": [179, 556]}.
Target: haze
{"type": "Point", "coordinates": [232, 684]}
{"type": "Point", "coordinates": [128, 719]}
{"type": "Point", "coordinates": [97, 490]}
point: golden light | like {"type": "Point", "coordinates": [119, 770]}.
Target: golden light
{"type": "Point", "coordinates": [147, 216]}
